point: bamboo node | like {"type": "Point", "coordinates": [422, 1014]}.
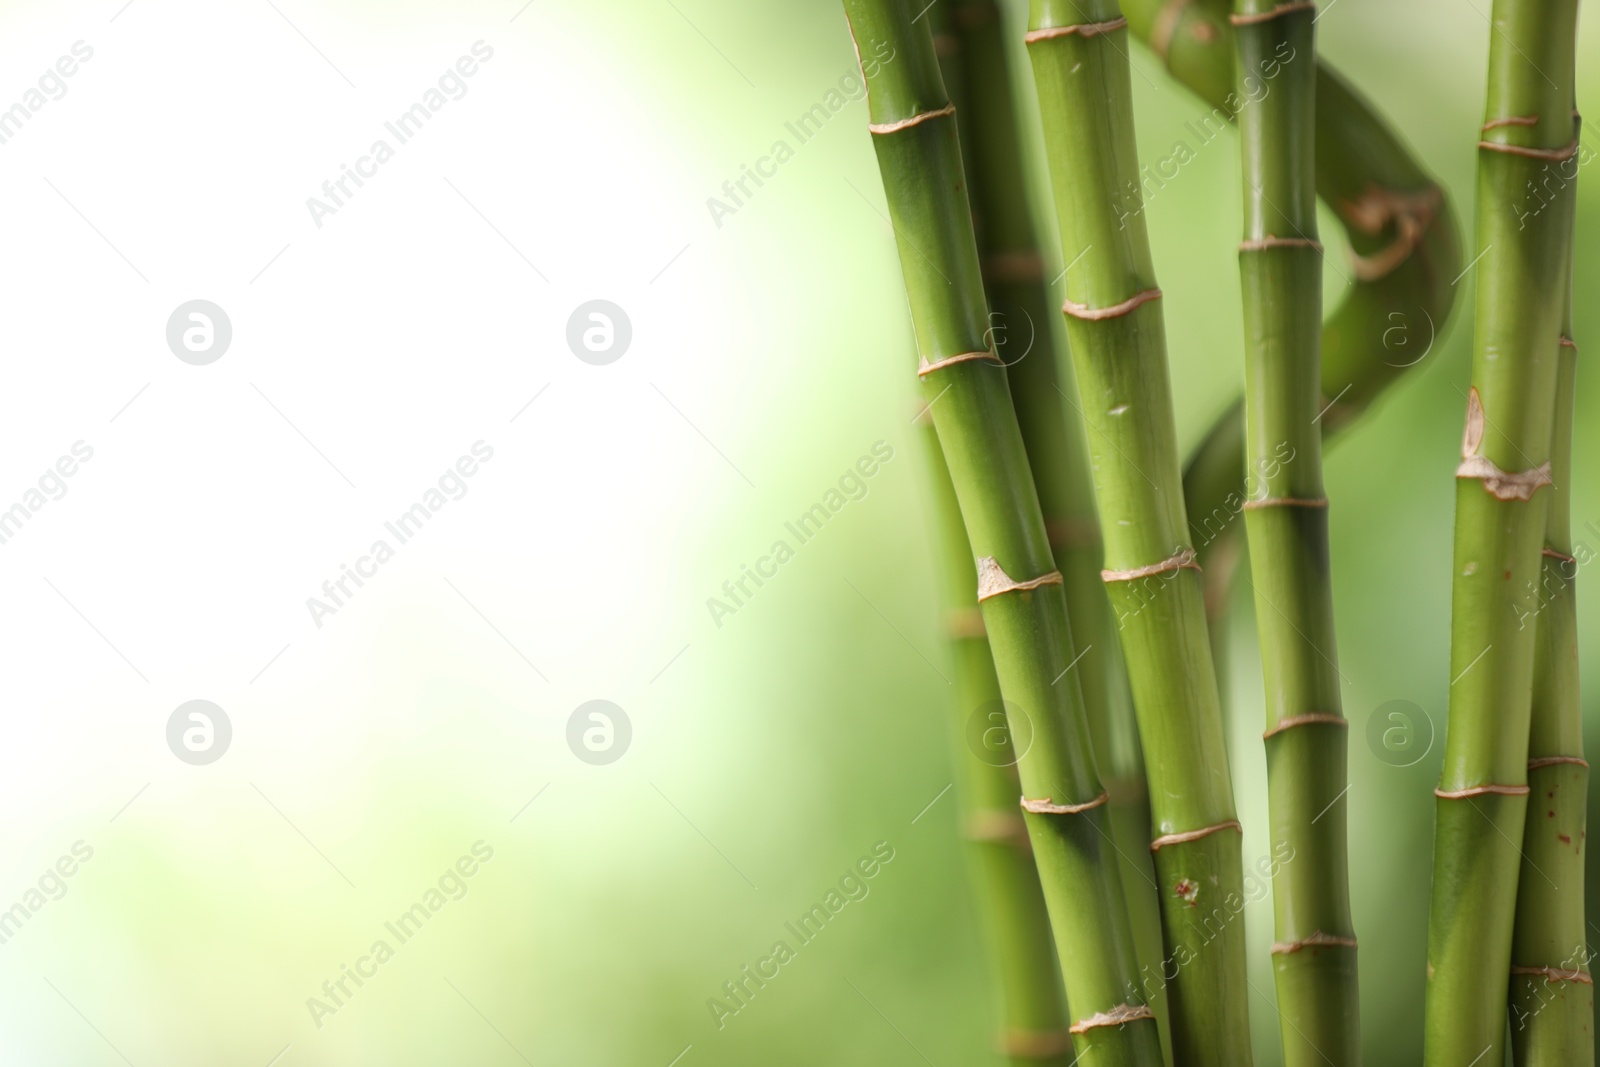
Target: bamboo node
{"type": "Point", "coordinates": [1285, 502]}
{"type": "Point", "coordinates": [1567, 342]}
{"type": "Point", "coordinates": [1035, 1044]}
{"type": "Point", "coordinates": [993, 580]}
{"type": "Point", "coordinates": [1006, 827]}
{"type": "Point", "coordinates": [1184, 559]}
{"type": "Point", "coordinates": [1554, 155]}
{"type": "Point", "coordinates": [1482, 790]}
{"type": "Point", "coordinates": [1013, 267]}
{"type": "Point", "coordinates": [1254, 17]}
{"type": "Point", "coordinates": [965, 622]}
{"type": "Point", "coordinates": [1317, 939]}
{"type": "Point", "coordinates": [924, 368]}
{"type": "Point", "coordinates": [906, 123]}
{"type": "Point", "coordinates": [1502, 485]}
{"type": "Point", "coordinates": [1117, 1016]}
{"type": "Point", "coordinates": [1193, 835]}
{"type": "Point", "coordinates": [1552, 761]}
{"type": "Point", "coordinates": [1084, 311]}
{"type": "Point", "coordinates": [1375, 208]}
{"type": "Point", "coordinates": [1072, 533]}
{"type": "Point", "coordinates": [1261, 244]}
{"type": "Point", "coordinates": [1511, 120]}
{"type": "Point", "coordinates": [1555, 974]}
{"type": "Point", "coordinates": [1082, 29]}
{"type": "Point", "coordinates": [1046, 806]}
{"type": "Point", "coordinates": [946, 44]}
{"type": "Point", "coordinates": [1165, 25]}
{"type": "Point", "coordinates": [1553, 554]}
{"type": "Point", "coordinates": [1310, 719]}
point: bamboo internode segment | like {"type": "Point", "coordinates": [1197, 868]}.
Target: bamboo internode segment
{"type": "Point", "coordinates": [1482, 790]}
{"type": "Point", "coordinates": [1121, 1014]}
{"type": "Point", "coordinates": [1035, 1044]}
{"type": "Point", "coordinates": [1084, 311]}
{"type": "Point", "coordinates": [1254, 18]}
{"type": "Point", "coordinates": [985, 356]}
{"type": "Point", "coordinates": [906, 123]}
{"type": "Point", "coordinates": [1316, 940]}
{"type": "Point", "coordinates": [1554, 155]}
{"type": "Point", "coordinates": [1320, 718]}
{"type": "Point", "coordinates": [1082, 29]}
{"type": "Point", "coordinates": [1184, 559]}
{"type": "Point", "coordinates": [1555, 974]}
{"type": "Point", "coordinates": [1263, 244]}
{"type": "Point", "coordinates": [1286, 502]}
{"type": "Point", "coordinates": [993, 580]}
{"type": "Point", "coordinates": [1045, 806]}
{"type": "Point", "coordinates": [1193, 835]}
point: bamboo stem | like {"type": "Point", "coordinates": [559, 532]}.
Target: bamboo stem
{"type": "Point", "coordinates": [1552, 992]}
{"type": "Point", "coordinates": [970, 39]}
{"type": "Point", "coordinates": [1286, 520]}
{"type": "Point", "coordinates": [1114, 323]}
{"type": "Point", "coordinates": [1019, 590]}
{"type": "Point", "coordinates": [1500, 528]}
{"type": "Point", "coordinates": [1033, 1008]}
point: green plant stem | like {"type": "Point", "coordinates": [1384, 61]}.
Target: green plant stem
{"type": "Point", "coordinates": [1033, 1009]}
{"type": "Point", "coordinates": [1401, 229]}
{"type": "Point", "coordinates": [1114, 323]}
{"type": "Point", "coordinates": [1552, 992]}
{"type": "Point", "coordinates": [1500, 528]}
{"type": "Point", "coordinates": [970, 39]}
{"type": "Point", "coordinates": [1020, 593]}
{"type": "Point", "coordinates": [1286, 520]}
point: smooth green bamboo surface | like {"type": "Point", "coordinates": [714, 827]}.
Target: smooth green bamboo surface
{"type": "Point", "coordinates": [1032, 1006]}
{"type": "Point", "coordinates": [1080, 61]}
{"type": "Point", "coordinates": [1020, 593]}
{"type": "Point", "coordinates": [1552, 992]}
{"type": "Point", "coordinates": [1286, 521]}
{"type": "Point", "coordinates": [971, 42]}
{"type": "Point", "coordinates": [1398, 221]}
{"type": "Point", "coordinates": [1501, 501]}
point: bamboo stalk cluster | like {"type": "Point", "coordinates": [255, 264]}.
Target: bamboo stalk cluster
{"type": "Point", "coordinates": [1061, 495]}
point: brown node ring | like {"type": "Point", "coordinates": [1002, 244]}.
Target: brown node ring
{"type": "Point", "coordinates": [1046, 806]}
{"type": "Point", "coordinates": [1084, 311]}
{"type": "Point", "coordinates": [925, 368]}
{"type": "Point", "coordinates": [1261, 244]}
{"type": "Point", "coordinates": [1555, 974]}
{"type": "Point", "coordinates": [1412, 214]}
{"type": "Point", "coordinates": [1316, 718]}
{"type": "Point", "coordinates": [1285, 502]}
{"type": "Point", "coordinates": [907, 123]}
{"type": "Point", "coordinates": [1556, 761]}
{"type": "Point", "coordinates": [1035, 1044]}
{"type": "Point", "coordinates": [1082, 29]}
{"type": "Point", "coordinates": [993, 580]}
{"type": "Point", "coordinates": [1182, 560]}
{"type": "Point", "coordinates": [1554, 155]}
{"type": "Point", "coordinates": [1482, 790]}
{"type": "Point", "coordinates": [1193, 835]}
{"type": "Point", "coordinates": [1254, 17]}
{"type": "Point", "coordinates": [1117, 1016]}
{"type": "Point", "coordinates": [1315, 940]}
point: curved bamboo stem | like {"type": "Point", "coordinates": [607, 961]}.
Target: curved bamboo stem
{"type": "Point", "coordinates": [1500, 529]}
{"type": "Point", "coordinates": [1019, 590]}
{"type": "Point", "coordinates": [1286, 520]}
{"type": "Point", "coordinates": [1080, 62]}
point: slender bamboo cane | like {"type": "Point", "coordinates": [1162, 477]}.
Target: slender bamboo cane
{"type": "Point", "coordinates": [1399, 222]}
{"type": "Point", "coordinates": [1080, 62]}
{"type": "Point", "coordinates": [1286, 520]}
{"type": "Point", "coordinates": [1500, 526]}
{"type": "Point", "coordinates": [972, 45]}
{"type": "Point", "coordinates": [1552, 993]}
{"type": "Point", "coordinates": [1033, 1009]}
{"type": "Point", "coordinates": [1019, 591]}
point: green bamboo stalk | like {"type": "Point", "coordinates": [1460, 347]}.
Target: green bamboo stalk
{"type": "Point", "coordinates": [1500, 527]}
{"type": "Point", "coordinates": [1114, 324]}
{"type": "Point", "coordinates": [1033, 1009]}
{"type": "Point", "coordinates": [971, 42]}
{"type": "Point", "coordinates": [1400, 226]}
{"type": "Point", "coordinates": [1286, 520]}
{"type": "Point", "coordinates": [1019, 591]}
{"type": "Point", "coordinates": [1552, 992]}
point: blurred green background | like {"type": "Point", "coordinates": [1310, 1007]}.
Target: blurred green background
{"type": "Point", "coordinates": [774, 747]}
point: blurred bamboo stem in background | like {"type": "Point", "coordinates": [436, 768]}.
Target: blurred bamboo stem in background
{"type": "Point", "coordinates": [1080, 61]}
{"type": "Point", "coordinates": [1286, 520]}
{"type": "Point", "coordinates": [1019, 591]}
{"type": "Point", "coordinates": [1500, 529]}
